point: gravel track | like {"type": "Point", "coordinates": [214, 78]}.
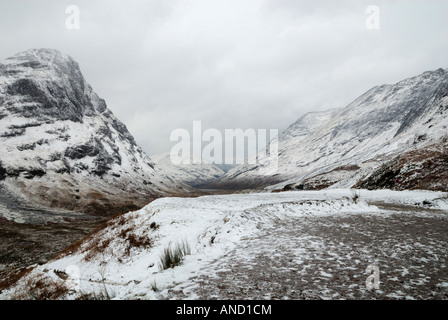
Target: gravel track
{"type": "Point", "coordinates": [327, 257]}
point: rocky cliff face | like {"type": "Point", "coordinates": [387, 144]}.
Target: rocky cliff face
{"type": "Point", "coordinates": [339, 147]}
{"type": "Point", "coordinates": [63, 147]}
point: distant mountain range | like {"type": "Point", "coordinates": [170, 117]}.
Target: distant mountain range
{"type": "Point", "coordinates": [196, 175]}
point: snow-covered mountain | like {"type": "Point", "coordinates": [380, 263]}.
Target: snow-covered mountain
{"type": "Point", "coordinates": [340, 147]}
{"type": "Point", "coordinates": [62, 146]}
{"type": "Point", "coordinates": [194, 174]}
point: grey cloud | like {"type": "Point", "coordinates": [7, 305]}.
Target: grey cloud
{"type": "Point", "coordinates": [162, 64]}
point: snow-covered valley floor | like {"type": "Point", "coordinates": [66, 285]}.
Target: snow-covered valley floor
{"type": "Point", "coordinates": [291, 245]}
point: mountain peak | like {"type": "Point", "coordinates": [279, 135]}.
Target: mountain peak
{"type": "Point", "coordinates": [45, 82]}
{"type": "Point", "coordinates": [43, 53]}
{"type": "Point", "coordinates": [58, 135]}
{"type": "Point", "coordinates": [343, 146]}
{"type": "Point", "coordinates": [42, 59]}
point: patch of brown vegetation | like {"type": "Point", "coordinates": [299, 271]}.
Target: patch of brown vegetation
{"type": "Point", "coordinates": [135, 241]}
{"type": "Point", "coordinates": [317, 184]}
{"type": "Point", "coordinates": [422, 169]}
{"type": "Point", "coordinates": [75, 247]}
{"type": "Point", "coordinates": [13, 276]}
{"type": "Point", "coordinates": [350, 167]}
{"type": "Point", "coordinates": [96, 248]}
{"type": "Point", "coordinates": [42, 287]}
{"type": "Point", "coordinates": [92, 245]}
{"type": "Point", "coordinates": [123, 233]}
{"type": "Point", "coordinates": [5, 222]}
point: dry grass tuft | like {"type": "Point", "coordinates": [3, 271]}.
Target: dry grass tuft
{"type": "Point", "coordinates": [41, 287]}
{"type": "Point", "coordinates": [174, 256]}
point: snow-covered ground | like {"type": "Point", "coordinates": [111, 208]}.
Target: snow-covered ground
{"type": "Point", "coordinates": [310, 244]}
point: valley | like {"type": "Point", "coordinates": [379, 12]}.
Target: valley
{"type": "Point", "coordinates": [354, 188]}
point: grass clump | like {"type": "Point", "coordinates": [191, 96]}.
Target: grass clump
{"type": "Point", "coordinates": [154, 286]}
{"type": "Point", "coordinates": [174, 256]}
{"type": "Point", "coordinates": [355, 196]}
{"type": "Point", "coordinates": [102, 294]}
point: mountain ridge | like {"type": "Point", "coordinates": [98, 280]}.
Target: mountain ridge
{"type": "Point", "coordinates": [64, 146]}
{"type": "Point", "coordinates": [383, 122]}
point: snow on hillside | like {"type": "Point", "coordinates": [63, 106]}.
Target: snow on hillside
{"type": "Point", "coordinates": [382, 123]}
{"type": "Point", "coordinates": [193, 174]}
{"type": "Point", "coordinates": [122, 261]}
{"type": "Point", "coordinates": [62, 146]}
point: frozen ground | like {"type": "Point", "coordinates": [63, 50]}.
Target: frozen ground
{"type": "Point", "coordinates": [291, 245]}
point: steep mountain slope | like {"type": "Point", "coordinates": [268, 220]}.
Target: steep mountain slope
{"type": "Point", "coordinates": [256, 175]}
{"type": "Point", "coordinates": [342, 146]}
{"type": "Point", "coordinates": [192, 174]}
{"type": "Point", "coordinates": [62, 147]}
{"type": "Point", "coordinates": [423, 168]}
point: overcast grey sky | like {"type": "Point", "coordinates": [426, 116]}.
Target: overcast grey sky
{"type": "Point", "coordinates": [162, 64]}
